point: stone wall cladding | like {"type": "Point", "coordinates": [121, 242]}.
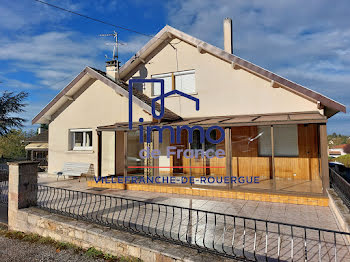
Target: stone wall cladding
{"type": "Point", "coordinates": [115, 242]}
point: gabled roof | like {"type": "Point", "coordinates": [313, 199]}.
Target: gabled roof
{"type": "Point", "coordinates": [163, 37]}
{"type": "Point", "coordinates": [42, 137]}
{"type": "Point", "coordinates": [339, 146]}
{"type": "Point", "coordinates": [91, 74]}
{"type": "Point", "coordinates": [167, 33]}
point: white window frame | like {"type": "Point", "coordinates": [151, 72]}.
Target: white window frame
{"type": "Point", "coordinates": [178, 73]}
{"type": "Point", "coordinates": [279, 150]}
{"type": "Point", "coordinates": [84, 131]}
{"type": "Point", "coordinates": [187, 72]}
{"type": "Point", "coordinates": [277, 146]}
{"type": "Point", "coordinates": [160, 76]}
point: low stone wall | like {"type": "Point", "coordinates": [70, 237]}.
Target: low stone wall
{"type": "Point", "coordinates": [115, 242]}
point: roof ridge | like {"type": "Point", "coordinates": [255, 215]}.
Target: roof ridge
{"type": "Point", "coordinates": [245, 64]}
{"type": "Point", "coordinates": [168, 114]}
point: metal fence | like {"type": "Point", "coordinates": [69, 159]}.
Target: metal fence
{"type": "Point", "coordinates": [4, 182]}
{"type": "Point", "coordinates": [340, 186]}
{"type": "Point", "coordinates": [227, 235]}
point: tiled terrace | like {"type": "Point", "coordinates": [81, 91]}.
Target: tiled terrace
{"type": "Point", "coordinates": [304, 215]}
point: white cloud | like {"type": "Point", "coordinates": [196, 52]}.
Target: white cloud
{"type": "Point", "coordinates": [52, 56]}
{"type": "Point", "coordinates": [24, 15]}
{"type": "Point", "coordinates": [133, 45]}
{"type": "Point", "coordinates": [305, 41]}
{"type": "Point", "coordinates": [55, 56]}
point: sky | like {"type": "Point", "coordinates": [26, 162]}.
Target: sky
{"type": "Point", "coordinates": [42, 49]}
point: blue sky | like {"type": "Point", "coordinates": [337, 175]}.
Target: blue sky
{"type": "Point", "coordinates": [42, 49]}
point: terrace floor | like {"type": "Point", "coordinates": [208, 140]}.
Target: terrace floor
{"type": "Point", "coordinates": [305, 215]}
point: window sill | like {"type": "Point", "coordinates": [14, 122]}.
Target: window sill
{"type": "Point", "coordinates": [81, 151]}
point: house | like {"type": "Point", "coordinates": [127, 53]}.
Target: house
{"type": "Point", "coordinates": [337, 150]}
{"type": "Point", "coordinates": [273, 128]}
{"type": "Point", "coordinates": [37, 147]}
{"type": "Point", "coordinates": [334, 153]}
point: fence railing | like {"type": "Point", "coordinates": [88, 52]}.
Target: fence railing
{"type": "Point", "coordinates": [340, 185]}
{"type": "Point", "coordinates": [4, 178]}
{"type": "Point", "coordinates": [223, 234]}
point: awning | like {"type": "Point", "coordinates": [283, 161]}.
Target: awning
{"type": "Point", "coordinates": [37, 146]}
{"type": "Point", "coordinates": [228, 121]}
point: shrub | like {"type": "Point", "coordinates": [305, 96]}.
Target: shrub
{"type": "Point", "coordinates": [345, 159]}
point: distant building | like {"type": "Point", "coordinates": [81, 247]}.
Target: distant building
{"type": "Point", "coordinates": [37, 148]}
{"type": "Point", "coordinates": [336, 151]}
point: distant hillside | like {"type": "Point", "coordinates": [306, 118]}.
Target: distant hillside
{"type": "Point", "coordinates": [338, 139]}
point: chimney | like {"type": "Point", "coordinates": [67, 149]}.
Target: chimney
{"type": "Point", "coordinates": [228, 45]}
{"type": "Point", "coordinates": [111, 69]}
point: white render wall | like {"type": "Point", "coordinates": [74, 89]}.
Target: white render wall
{"type": "Point", "coordinates": [98, 105]}
{"type": "Point", "coordinates": [221, 89]}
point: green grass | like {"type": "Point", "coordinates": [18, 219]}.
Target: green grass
{"type": "Point", "coordinates": [345, 159]}
{"type": "Point", "coordinates": [35, 238]}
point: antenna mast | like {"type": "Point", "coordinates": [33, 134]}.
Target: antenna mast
{"type": "Point", "coordinates": [115, 59]}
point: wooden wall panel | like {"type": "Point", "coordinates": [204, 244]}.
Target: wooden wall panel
{"type": "Point", "coordinates": [186, 162]}
{"type": "Point", "coordinates": [195, 162]}
{"type": "Point", "coordinates": [215, 162]}
{"type": "Point", "coordinates": [183, 145]}
{"type": "Point", "coordinates": [315, 169]}
{"type": "Point", "coordinates": [235, 166]}
{"type": "Point", "coordinates": [245, 160]}
{"type": "Point", "coordinates": [220, 145]}
{"type": "Point", "coordinates": [240, 139]}
{"type": "Point", "coordinates": [198, 162]}
{"type": "Point", "coordinates": [294, 168]}
{"type": "Point", "coordinates": [254, 166]}
{"type": "Point", "coordinates": [308, 140]}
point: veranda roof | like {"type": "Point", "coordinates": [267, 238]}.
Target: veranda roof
{"type": "Point", "coordinates": [228, 121]}
{"type": "Point", "coordinates": [37, 146]}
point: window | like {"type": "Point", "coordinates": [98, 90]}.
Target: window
{"type": "Point", "coordinates": [196, 144]}
{"type": "Point", "coordinates": [184, 82]}
{"type": "Point", "coordinates": [81, 139]}
{"type": "Point", "coordinates": [167, 84]}
{"type": "Point", "coordinates": [264, 133]}
{"type": "Point", "coordinates": [285, 140]}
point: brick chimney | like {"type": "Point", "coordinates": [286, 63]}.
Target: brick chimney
{"type": "Point", "coordinates": [228, 44]}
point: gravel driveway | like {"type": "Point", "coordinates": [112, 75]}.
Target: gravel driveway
{"type": "Point", "coordinates": [17, 251]}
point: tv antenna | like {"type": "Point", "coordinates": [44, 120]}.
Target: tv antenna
{"type": "Point", "coordinates": [114, 59]}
